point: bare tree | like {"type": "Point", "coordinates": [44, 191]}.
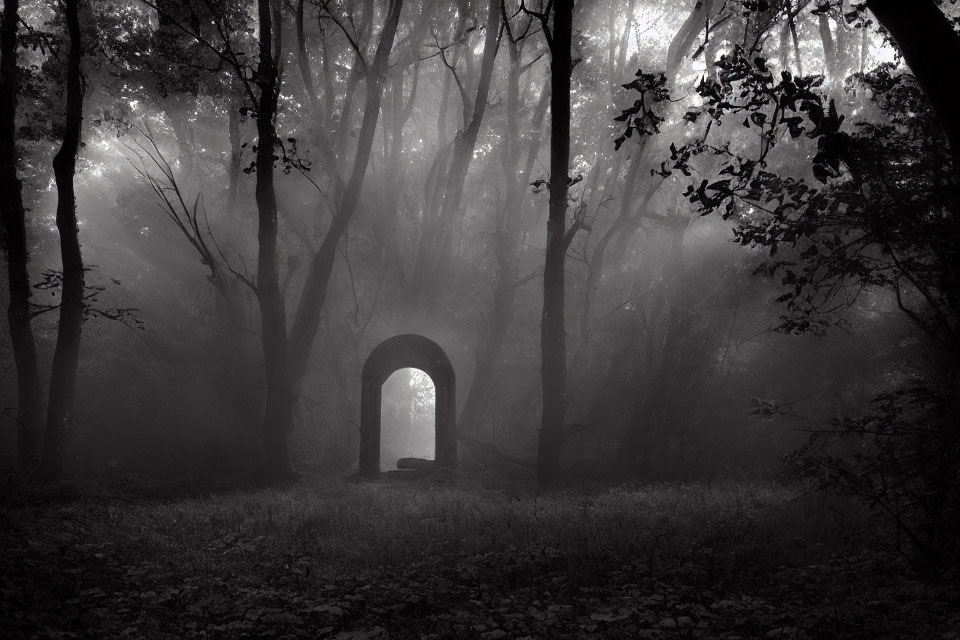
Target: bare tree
{"type": "Point", "coordinates": [278, 419]}
{"type": "Point", "coordinates": [509, 227]}
{"type": "Point", "coordinates": [435, 251]}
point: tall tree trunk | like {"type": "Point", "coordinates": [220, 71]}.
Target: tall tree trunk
{"type": "Point", "coordinates": [314, 290]}
{"type": "Point", "coordinates": [446, 86]}
{"type": "Point", "coordinates": [385, 222]}
{"type": "Point", "coordinates": [616, 61]}
{"type": "Point", "coordinates": [443, 109]}
{"type": "Point", "coordinates": [435, 253]}
{"type": "Point", "coordinates": [687, 35]}
{"type": "Point", "coordinates": [842, 41]}
{"type": "Point", "coordinates": [864, 49]}
{"type": "Point", "coordinates": [303, 60]}
{"type": "Point", "coordinates": [792, 24]}
{"type": "Point", "coordinates": [13, 217]}
{"type": "Point", "coordinates": [356, 74]}
{"type": "Point", "coordinates": [553, 345]}
{"type": "Point", "coordinates": [829, 48]}
{"type": "Point", "coordinates": [493, 334]}
{"type": "Point", "coordinates": [289, 366]}
{"type": "Point", "coordinates": [328, 67]}
{"type": "Point", "coordinates": [595, 263]}
{"type": "Point", "coordinates": [67, 353]}
{"type": "Point", "coordinates": [279, 393]}
{"type": "Point", "coordinates": [276, 13]}
{"type": "Point", "coordinates": [927, 38]}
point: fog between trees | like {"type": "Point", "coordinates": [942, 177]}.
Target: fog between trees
{"type": "Point", "coordinates": [736, 269]}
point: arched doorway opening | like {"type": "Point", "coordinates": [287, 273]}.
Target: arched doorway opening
{"type": "Point", "coordinates": [407, 414]}
{"type": "Point", "coordinates": [401, 352]}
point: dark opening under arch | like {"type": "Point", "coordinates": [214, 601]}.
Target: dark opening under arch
{"type": "Point", "coordinates": [401, 352]}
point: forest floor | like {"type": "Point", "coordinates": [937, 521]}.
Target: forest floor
{"type": "Point", "coordinates": [423, 559]}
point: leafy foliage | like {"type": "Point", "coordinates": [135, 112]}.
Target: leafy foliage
{"type": "Point", "coordinates": [906, 464]}
{"type": "Point", "coordinates": [643, 117]}
{"type": "Point", "coordinates": [879, 217]}
{"type": "Point", "coordinates": [880, 213]}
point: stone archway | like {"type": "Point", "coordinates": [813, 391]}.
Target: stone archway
{"type": "Point", "coordinates": [401, 352]}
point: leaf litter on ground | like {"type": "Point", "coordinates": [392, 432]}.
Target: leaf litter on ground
{"type": "Point", "coordinates": [380, 561]}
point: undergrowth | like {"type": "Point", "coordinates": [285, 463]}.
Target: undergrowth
{"type": "Point", "coordinates": [737, 528]}
{"type": "Point", "coordinates": [424, 559]}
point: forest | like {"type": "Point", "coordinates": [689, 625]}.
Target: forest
{"type": "Point", "coordinates": [370, 319]}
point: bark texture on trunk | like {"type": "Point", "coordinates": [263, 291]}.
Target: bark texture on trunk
{"type": "Point", "coordinates": [14, 240]}
{"type": "Point", "coordinates": [552, 331]}
{"type": "Point", "coordinates": [67, 353]}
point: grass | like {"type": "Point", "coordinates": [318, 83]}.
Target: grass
{"type": "Point", "coordinates": [365, 526]}
{"type": "Point", "coordinates": [312, 549]}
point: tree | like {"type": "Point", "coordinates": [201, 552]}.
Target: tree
{"type": "Point", "coordinates": [67, 353]}
{"type": "Point", "coordinates": [287, 351]}
{"type": "Point", "coordinates": [278, 423]}
{"type": "Point", "coordinates": [879, 214]}
{"type": "Point", "coordinates": [926, 38]}
{"type": "Point", "coordinates": [272, 307]}
{"type": "Point", "coordinates": [72, 304]}
{"type": "Point", "coordinates": [509, 224]}
{"type": "Point", "coordinates": [14, 240]}
{"type": "Point", "coordinates": [435, 249]}
{"type": "Point", "coordinates": [553, 360]}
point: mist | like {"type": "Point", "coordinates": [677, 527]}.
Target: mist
{"type": "Point", "coordinates": [306, 275]}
